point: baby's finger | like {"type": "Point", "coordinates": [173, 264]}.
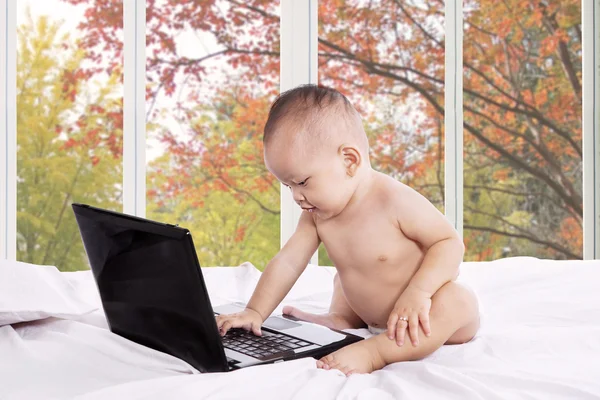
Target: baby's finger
{"type": "Point", "coordinates": [225, 327]}
{"type": "Point", "coordinates": [413, 329]}
{"type": "Point", "coordinates": [391, 326]}
{"type": "Point", "coordinates": [256, 329]}
{"type": "Point", "coordinates": [424, 317]}
{"type": "Point", "coordinates": [400, 332]}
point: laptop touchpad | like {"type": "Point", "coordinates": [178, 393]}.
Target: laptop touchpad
{"type": "Point", "coordinates": [279, 323]}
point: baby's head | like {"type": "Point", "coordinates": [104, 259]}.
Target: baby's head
{"type": "Point", "coordinates": [315, 144]}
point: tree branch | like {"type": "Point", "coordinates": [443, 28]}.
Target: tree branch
{"type": "Point", "coordinates": [533, 239]}
{"type": "Point", "coordinates": [551, 25]}
{"type": "Point", "coordinates": [257, 10]}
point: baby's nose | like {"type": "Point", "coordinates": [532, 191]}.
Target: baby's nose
{"type": "Point", "coordinates": [297, 195]}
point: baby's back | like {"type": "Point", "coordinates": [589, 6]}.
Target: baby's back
{"type": "Point", "coordinates": [374, 259]}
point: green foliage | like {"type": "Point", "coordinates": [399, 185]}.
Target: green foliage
{"type": "Point", "coordinates": [225, 231]}
{"type": "Point", "coordinates": [324, 256]}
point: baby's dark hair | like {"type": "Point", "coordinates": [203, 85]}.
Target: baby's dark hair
{"type": "Point", "coordinates": [305, 104]}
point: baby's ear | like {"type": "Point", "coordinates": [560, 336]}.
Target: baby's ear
{"type": "Point", "coordinates": [351, 157]}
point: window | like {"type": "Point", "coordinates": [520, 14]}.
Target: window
{"type": "Point", "coordinates": [212, 70]}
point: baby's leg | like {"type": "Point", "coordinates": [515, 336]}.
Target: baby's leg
{"type": "Point", "coordinates": [340, 315]}
{"type": "Point", "coordinates": [454, 319]}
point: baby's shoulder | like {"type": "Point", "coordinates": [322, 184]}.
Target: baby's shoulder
{"type": "Point", "coordinates": [392, 191]}
{"type": "Point", "coordinates": [399, 198]}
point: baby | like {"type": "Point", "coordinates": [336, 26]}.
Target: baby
{"type": "Point", "coordinates": [396, 255]}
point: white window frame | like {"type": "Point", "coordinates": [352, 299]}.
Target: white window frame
{"type": "Point", "coordinates": [8, 130]}
{"type": "Point", "coordinates": [299, 44]}
{"type": "Point", "coordinates": [134, 107]}
{"type": "Point", "coordinates": [590, 27]}
{"type": "Point", "coordinates": [453, 114]}
{"type": "Point", "coordinates": [298, 65]}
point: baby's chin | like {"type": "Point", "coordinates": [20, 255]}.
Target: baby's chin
{"type": "Point", "coordinates": [321, 214]}
{"type": "Point", "coordinates": [310, 210]}
{"type": "Point", "coordinates": [313, 210]}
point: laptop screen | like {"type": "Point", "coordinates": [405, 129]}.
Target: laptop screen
{"type": "Point", "coordinates": [151, 286]}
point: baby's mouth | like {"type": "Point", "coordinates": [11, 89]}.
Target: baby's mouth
{"type": "Point", "coordinates": [311, 209]}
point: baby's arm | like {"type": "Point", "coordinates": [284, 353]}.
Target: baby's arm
{"type": "Point", "coordinates": [285, 268]}
{"type": "Point", "coordinates": [278, 277]}
{"type": "Point", "coordinates": [420, 221]}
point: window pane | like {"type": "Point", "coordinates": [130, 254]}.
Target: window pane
{"type": "Point", "coordinates": [69, 129]}
{"type": "Point", "coordinates": [212, 71]}
{"type": "Point", "coordinates": [387, 57]}
{"type": "Point", "coordinates": [522, 132]}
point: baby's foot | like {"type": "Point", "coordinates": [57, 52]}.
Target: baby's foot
{"type": "Point", "coordinates": [360, 357]}
{"type": "Point", "coordinates": [332, 321]}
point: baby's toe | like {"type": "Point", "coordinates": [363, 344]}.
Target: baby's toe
{"type": "Point", "coordinates": [322, 364]}
{"type": "Point", "coordinates": [329, 361]}
{"type": "Point", "coordinates": [333, 362]}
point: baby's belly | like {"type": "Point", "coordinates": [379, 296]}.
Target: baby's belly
{"type": "Point", "coordinates": [373, 295]}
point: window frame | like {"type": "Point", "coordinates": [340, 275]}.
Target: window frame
{"type": "Point", "coordinates": [134, 108]}
{"type": "Point", "coordinates": [453, 115]}
{"type": "Point", "coordinates": [590, 27]}
{"type": "Point", "coordinates": [8, 130]}
{"type": "Point", "coordinates": [299, 43]}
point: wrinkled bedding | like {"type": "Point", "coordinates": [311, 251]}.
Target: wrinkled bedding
{"type": "Point", "coordinates": [540, 339]}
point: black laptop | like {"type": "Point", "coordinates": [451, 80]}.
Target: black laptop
{"type": "Point", "coordinates": [153, 293]}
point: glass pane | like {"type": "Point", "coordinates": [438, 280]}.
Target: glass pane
{"type": "Point", "coordinates": [69, 129]}
{"type": "Point", "coordinates": [522, 132]}
{"type": "Point", "coordinates": [387, 57]}
{"type": "Point", "coordinates": [212, 72]}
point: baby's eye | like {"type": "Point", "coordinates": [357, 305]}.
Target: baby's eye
{"type": "Point", "coordinates": [303, 183]}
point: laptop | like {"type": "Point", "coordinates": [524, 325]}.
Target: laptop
{"type": "Point", "coordinates": [153, 293]}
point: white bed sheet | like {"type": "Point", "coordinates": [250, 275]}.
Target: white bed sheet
{"type": "Point", "coordinates": [540, 339]}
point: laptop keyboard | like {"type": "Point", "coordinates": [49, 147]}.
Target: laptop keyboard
{"type": "Point", "coordinates": [266, 345]}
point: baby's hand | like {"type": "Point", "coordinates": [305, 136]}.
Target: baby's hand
{"type": "Point", "coordinates": [247, 319]}
{"type": "Point", "coordinates": [411, 308]}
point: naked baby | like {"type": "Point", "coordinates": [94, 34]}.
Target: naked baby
{"type": "Point", "coordinates": [396, 255]}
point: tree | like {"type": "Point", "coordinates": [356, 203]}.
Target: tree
{"type": "Point", "coordinates": [225, 197]}
{"type": "Point", "coordinates": [69, 144]}
{"type": "Point", "coordinates": [522, 97]}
